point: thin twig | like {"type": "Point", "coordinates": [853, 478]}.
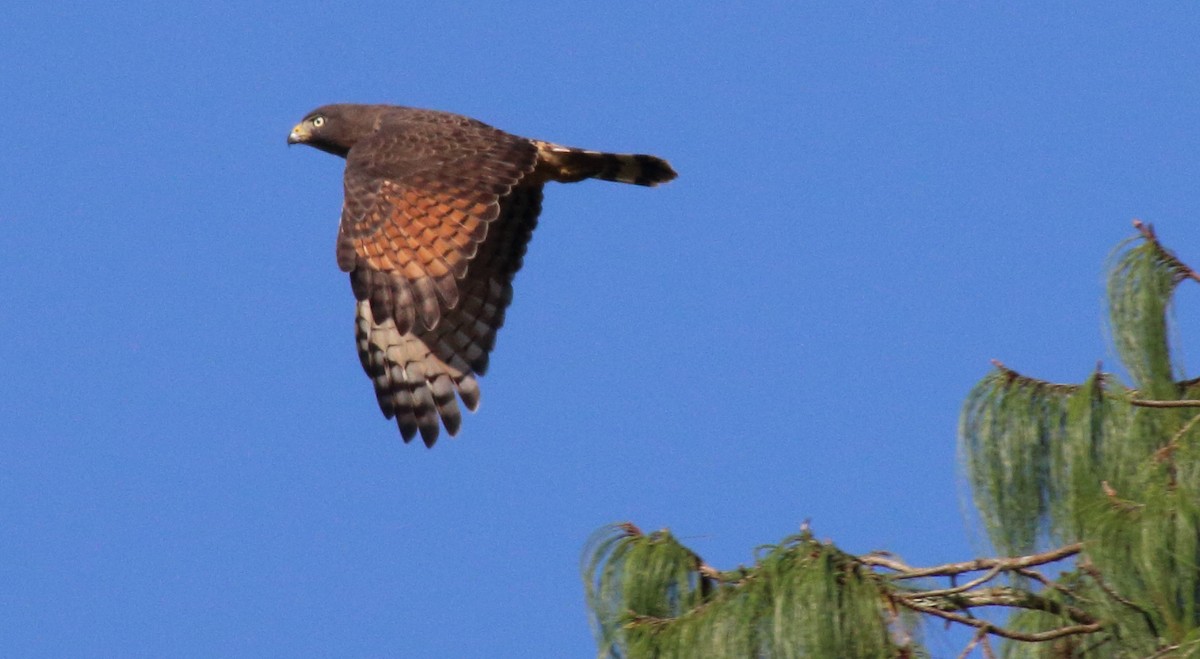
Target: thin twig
{"type": "Point", "coordinates": [1029, 637]}
{"type": "Point", "coordinates": [1087, 568]}
{"type": "Point", "coordinates": [1002, 596]}
{"type": "Point", "coordinates": [1146, 402]}
{"type": "Point", "coordinates": [987, 649]}
{"type": "Point", "coordinates": [987, 576]}
{"type": "Point", "coordinates": [1041, 578]}
{"type": "Point", "coordinates": [979, 636]}
{"type": "Point", "coordinates": [880, 560]}
{"type": "Point", "coordinates": [1178, 437]}
{"type": "Point", "coordinates": [1162, 652]}
{"type": "Point", "coordinates": [1013, 563]}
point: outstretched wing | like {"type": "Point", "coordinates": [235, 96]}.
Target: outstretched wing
{"type": "Point", "coordinates": [416, 374]}
{"type": "Point", "coordinates": [420, 193]}
{"type": "Point", "coordinates": [437, 214]}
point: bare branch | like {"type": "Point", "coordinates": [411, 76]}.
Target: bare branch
{"type": "Point", "coordinates": [1163, 652]}
{"type": "Point", "coordinates": [1145, 402]}
{"type": "Point", "coordinates": [1002, 596]}
{"type": "Point", "coordinates": [955, 602]}
{"type": "Point", "coordinates": [987, 649]}
{"type": "Point", "coordinates": [980, 635]}
{"type": "Point", "coordinates": [975, 583]}
{"type": "Point", "coordinates": [981, 639]}
{"type": "Point", "coordinates": [1173, 445]}
{"type": "Point", "coordinates": [1029, 637]}
{"type": "Point", "coordinates": [1013, 563]}
{"type": "Point", "coordinates": [1040, 578]}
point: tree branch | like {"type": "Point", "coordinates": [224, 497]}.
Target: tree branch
{"type": "Point", "coordinates": [1003, 596]}
{"type": "Point", "coordinates": [1029, 637]}
{"type": "Point", "coordinates": [893, 583]}
{"type": "Point", "coordinates": [974, 583]}
{"type": "Point", "coordinates": [1014, 563]}
{"type": "Point", "coordinates": [1145, 402]}
{"type": "Point", "coordinates": [950, 603]}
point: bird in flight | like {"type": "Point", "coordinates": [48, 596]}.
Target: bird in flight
{"type": "Point", "coordinates": [437, 213]}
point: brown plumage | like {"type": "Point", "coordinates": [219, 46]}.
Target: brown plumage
{"type": "Point", "coordinates": [437, 213]}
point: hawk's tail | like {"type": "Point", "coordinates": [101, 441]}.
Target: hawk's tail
{"type": "Point", "coordinates": [567, 165]}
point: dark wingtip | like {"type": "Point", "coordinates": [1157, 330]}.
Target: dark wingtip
{"type": "Point", "coordinates": [452, 420]}
{"type": "Point", "coordinates": [407, 431]}
{"type": "Point", "coordinates": [429, 435]}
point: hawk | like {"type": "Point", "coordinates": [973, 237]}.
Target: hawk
{"type": "Point", "coordinates": [437, 213]}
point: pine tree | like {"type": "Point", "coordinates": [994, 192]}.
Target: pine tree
{"type": "Point", "coordinates": [1099, 481]}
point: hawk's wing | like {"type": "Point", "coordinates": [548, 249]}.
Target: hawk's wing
{"type": "Point", "coordinates": [437, 214]}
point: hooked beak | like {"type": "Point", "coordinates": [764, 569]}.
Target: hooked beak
{"type": "Point", "coordinates": [299, 134]}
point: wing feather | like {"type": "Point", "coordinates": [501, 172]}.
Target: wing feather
{"type": "Point", "coordinates": [437, 215]}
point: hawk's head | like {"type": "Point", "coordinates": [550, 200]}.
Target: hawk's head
{"type": "Point", "coordinates": [335, 128]}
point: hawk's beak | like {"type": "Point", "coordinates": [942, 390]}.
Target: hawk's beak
{"type": "Point", "coordinates": [299, 134]}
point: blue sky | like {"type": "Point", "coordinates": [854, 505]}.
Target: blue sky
{"type": "Point", "coordinates": [873, 201]}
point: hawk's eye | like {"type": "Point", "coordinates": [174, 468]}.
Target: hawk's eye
{"type": "Point", "coordinates": [317, 122]}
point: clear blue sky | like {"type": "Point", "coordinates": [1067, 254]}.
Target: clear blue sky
{"type": "Point", "coordinates": [874, 199]}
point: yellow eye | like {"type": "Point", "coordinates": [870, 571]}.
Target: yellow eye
{"type": "Point", "coordinates": [317, 122]}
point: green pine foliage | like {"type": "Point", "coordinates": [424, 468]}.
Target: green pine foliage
{"type": "Point", "coordinates": [1112, 466]}
{"type": "Point", "coordinates": [1140, 286]}
{"type": "Point", "coordinates": [652, 597]}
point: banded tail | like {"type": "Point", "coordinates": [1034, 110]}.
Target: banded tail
{"type": "Point", "coordinates": [568, 165]}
